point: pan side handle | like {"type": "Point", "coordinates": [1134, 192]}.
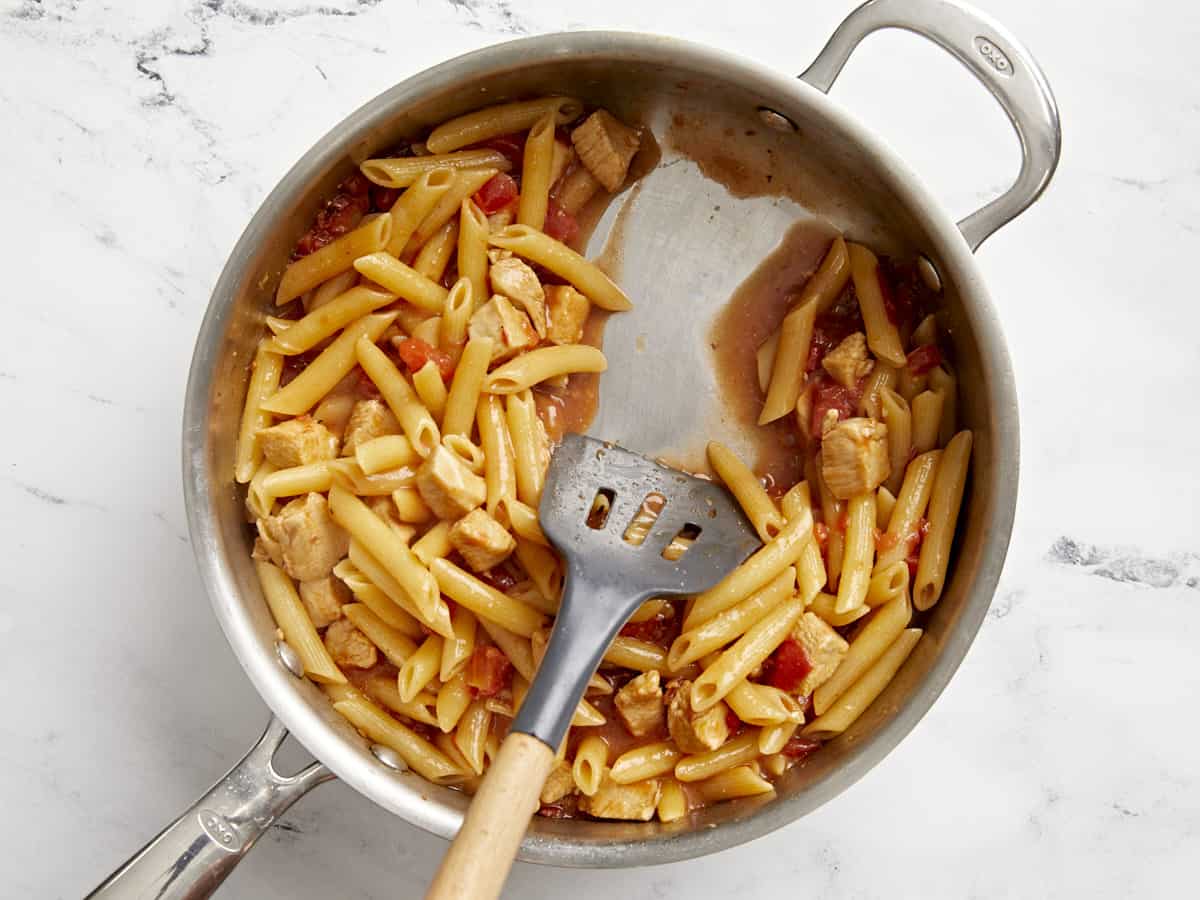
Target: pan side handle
{"type": "Point", "coordinates": [997, 59]}
{"type": "Point", "coordinates": [192, 856]}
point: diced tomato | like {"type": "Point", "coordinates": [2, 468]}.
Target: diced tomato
{"type": "Point", "coordinates": [415, 353]}
{"type": "Point", "coordinates": [885, 540]}
{"type": "Point", "coordinates": [923, 359]}
{"type": "Point", "coordinates": [914, 547]}
{"type": "Point", "coordinates": [833, 326]}
{"type": "Point", "coordinates": [560, 224]}
{"type": "Point", "coordinates": [488, 671]}
{"type": "Point", "coordinates": [500, 578]}
{"type": "Point", "coordinates": [342, 213]}
{"type": "Point", "coordinates": [827, 395]}
{"type": "Point", "coordinates": [499, 191]}
{"type": "Point", "coordinates": [799, 747]}
{"type": "Point", "coordinates": [511, 145]}
{"type": "Point", "coordinates": [787, 667]}
{"type": "Point", "coordinates": [382, 198]}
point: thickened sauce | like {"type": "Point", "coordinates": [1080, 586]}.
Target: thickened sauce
{"type": "Point", "coordinates": [753, 314]}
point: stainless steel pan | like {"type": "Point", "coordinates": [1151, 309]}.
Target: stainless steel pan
{"type": "Point", "coordinates": [685, 244]}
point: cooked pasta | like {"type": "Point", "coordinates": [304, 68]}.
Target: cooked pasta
{"type": "Point", "coordinates": [397, 427]}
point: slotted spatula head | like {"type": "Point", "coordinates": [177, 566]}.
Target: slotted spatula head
{"type": "Point", "coordinates": [592, 493]}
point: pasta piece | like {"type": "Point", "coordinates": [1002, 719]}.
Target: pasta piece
{"type": "Point", "coordinates": [334, 258]}
{"type": "Point", "coordinates": [404, 281]}
{"type": "Point", "coordinates": [773, 738]}
{"type": "Point", "coordinates": [787, 371]}
{"type": "Point", "coordinates": [259, 502]}
{"type": "Point", "coordinates": [452, 324]}
{"type": "Point", "coordinates": [294, 481]}
{"type": "Point", "coordinates": [420, 755]}
{"type": "Point", "coordinates": [393, 643]}
{"type": "Point", "coordinates": [434, 544]}
{"type": "Point", "coordinates": [646, 761]}
{"type": "Point", "coordinates": [484, 600]}
{"type": "Point", "coordinates": [471, 734]}
{"type": "Point", "coordinates": [493, 121]}
{"type": "Point", "coordinates": [887, 584]}
{"type": "Point", "coordinates": [863, 693]}
{"type": "Point", "coordinates": [749, 651]}
{"type": "Point", "coordinates": [420, 668]}
{"type": "Point", "coordinates": [348, 475]}
{"type": "Point", "coordinates": [672, 802]}
{"type": "Point", "coordinates": [742, 781]}
{"type": "Point", "coordinates": [760, 509]}
{"type": "Point", "coordinates": [827, 283]}
{"type": "Point", "coordinates": [560, 259]}
{"type": "Point", "coordinates": [297, 627]}
{"type": "Point", "coordinates": [764, 360]}
{"type": "Point", "coordinates": [825, 606]}
{"type": "Point", "coordinates": [859, 556]}
{"type": "Point", "coordinates": [465, 389]}
{"type": "Point", "coordinates": [415, 419]}
{"type": "Point", "coordinates": [331, 317]}
{"type": "Point", "coordinates": [430, 389]}
{"type": "Point", "coordinates": [730, 624]}
{"type": "Point", "coordinates": [898, 418]}
{"type": "Point", "coordinates": [542, 364]}
{"type": "Point", "coordinates": [333, 288]}
{"type": "Point", "coordinates": [882, 336]}
{"type": "Point", "coordinates": [944, 382]}
{"type": "Point", "coordinates": [457, 649]}
{"type": "Point", "coordinates": [926, 419]}
{"type": "Point", "coordinates": [472, 253]}
{"type": "Point", "coordinates": [755, 572]}
{"type": "Point", "coordinates": [331, 366]}
{"type": "Point", "coordinates": [521, 519]}
{"type": "Point", "coordinates": [467, 453]}
{"type": "Point", "coordinates": [499, 470]}
{"type": "Point", "coordinates": [382, 689]}
{"type": "Point", "coordinates": [381, 542]}
{"type": "Point", "coordinates": [737, 752]}
{"type": "Point", "coordinates": [264, 383]}
{"type": "Point", "coordinates": [882, 376]}
{"type": "Point", "coordinates": [591, 762]}
{"type": "Point", "coordinates": [384, 453]}
{"type": "Point", "coordinates": [521, 414]}
{"type": "Point", "coordinates": [911, 502]}
{"type": "Point", "coordinates": [452, 701]}
{"type": "Point", "coordinates": [879, 633]}
{"type": "Point", "coordinates": [466, 183]}
{"type": "Point", "coordinates": [762, 705]}
{"type": "Point", "coordinates": [885, 502]}
{"type": "Point", "coordinates": [410, 507]}
{"type": "Point", "coordinates": [945, 501]}
{"type": "Point", "coordinates": [810, 567]}
{"type": "Point", "coordinates": [400, 172]}
{"type": "Point", "coordinates": [631, 653]}
{"type": "Point", "coordinates": [436, 253]}
{"type": "Point", "coordinates": [415, 204]}
{"type": "Point", "coordinates": [543, 568]}
{"type": "Point", "coordinates": [535, 172]}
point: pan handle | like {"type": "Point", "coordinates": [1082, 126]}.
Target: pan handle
{"type": "Point", "coordinates": [195, 853]}
{"type": "Point", "coordinates": [996, 58]}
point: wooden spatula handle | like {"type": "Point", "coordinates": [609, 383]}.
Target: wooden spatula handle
{"type": "Point", "coordinates": [477, 863]}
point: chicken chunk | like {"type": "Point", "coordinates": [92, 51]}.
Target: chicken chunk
{"type": "Point", "coordinates": [559, 782]}
{"type": "Point", "coordinates": [515, 280]}
{"type": "Point", "coordinates": [606, 146]}
{"type": "Point", "coordinates": [482, 541]}
{"type": "Point", "coordinates": [631, 802]}
{"type": "Point", "coordinates": [823, 647]}
{"type": "Point", "coordinates": [509, 329]}
{"type": "Point", "coordinates": [323, 598]}
{"type": "Point", "coordinates": [297, 442]}
{"type": "Point", "coordinates": [303, 538]}
{"type": "Point", "coordinates": [348, 646]}
{"type": "Point", "coordinates": [849, 360]}
{"type": "Point", "coordinates": [693, 732]}
{"type": "Point", "coordinates": [448, 487]}
{"type": "Point", "coordinates": [368, 420]}
{"type": "Point", "coordinates": [854, 457]}
{"type": "Point", "coordinates": [640, 704]}
{"type": "Point", "coordinates": [567, 310]}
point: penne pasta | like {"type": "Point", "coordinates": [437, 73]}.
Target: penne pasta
{"type": "Point", "coordinates": [472, 252]}
{"type": "Point", "coordinates": [542, 364]}
{"type": "Point", "coordinates": [468, 453]}
{"type": "Point", "coordinates": [499, 469]}
{"type": "Point", "coordinates": [773, 738]}
{"type": "Point", "coordinates": [435, 255]}
{"type": "Point", "coordinates": [297, 627]}
{"type": "Point", "coordinates": [535, 172]}
{"type": "Point", "coordinates": [885, 502]}
{"type": "Point", "coordinates": [887, 584]}
{"type": "Point", "coordinates": [872, 640]}
{"type": "Point", "coordinates": [591, 763]}
{"type": "Point", "coordinates": [521, 415]}
{"type": "Point", "coordinates": [882, 376]}
{"type": "Point", "coordinates": [334, 258]}
{"type": "Point", "coordinates": [333, 288]}
{"type": "Point", "coordinates": [421, 756]}
{"type": "Point", "coordinates": [330, 318]}
{"type": "Point", "coordinates": [466, 183]}
{"type": "Point", "coordinates": [400, 172]}
{"type": "Point", "coordinates": [910, 507]}
{"type": "Point", "coordinates": [395, 645]}
{"type": "Point", "coordinates": [457, 648]}
{"type": "Point", "coordinates": [414, 418]}
{"type": "Point", "coordinates": [420, 668]}
{"type": "Point", "coordinates": [736, 752]}
{"type": "Point", "coordinates": [415, 204]}
{"type": "Point", "coordinates": [825, 606]}
{"type": "Point", "coordinates": [484, 600]}
{"type": "Point", "coordinates": [646, 761]}
{"type": "Point", "coordinates": [672, 802]}
{"type": "Point", "coordinates": [430, 389]}
{"type": "Point", "coordinates": [882, 336]}
{"type": "Point", "coordinates": [730, 624]}
{"type": "Point", "coordinates": [385, 453]}
{"type": "Point", "coordinates": [434, 544]}
{"type": "Point", "coordinates": [472, 733]}
{"type": "Point", "coordinates": [564, 262]}
{"type": "Point", "coordinates": [862, 694]}
{"type": "Point", "coordinates": [404, 281]}
{"type": "Point", "coordinates": [264, 382]}
{"type": "Point", "coordinates": [788, 366]}
{"type": "Point", "coordinates": [810, 567]}
{"type": "Point", "coordinates": [945, 501]}
{"type": "Point", "coordinates": [543, 568]}
{"type": "Point", "coordinates": [749, 492]}
{"type": "Point", "coordinates": [493, 121]}
{"type": "Point", "coordinates": [452, 701]}
{"type": "Point", "coordinates": [741, 781]}
{"type": "Point", "coordinates": [831, 514]}
{"type": "Point", "coordinates": [463, 399]}
{"type": "Point", "coordinates": [747, 652]}
{"type": "Point", "coordinates": [631, 653]}
{"type": "Point", "coordinates": [521, 519]}
{"type": "Point", "coordinates": [294, 481]}
{"type": "Point", "coordinates": [898, 418]}
{"type": "Point", "coordinates": [332, 365]}
{"type": "Point", "coordinates": [942, 381]}
{"type": "Point", "coordinates": [382, 689]}
{"type": "Point", "coordinates": [452, 328]}
{"type": "Point", "coordinates": [859, 558]}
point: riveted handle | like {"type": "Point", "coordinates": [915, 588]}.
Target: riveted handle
{"type": "Point", "coordinates": [997, 59]}
{"type": "Point", "coordinates": [190, 858]}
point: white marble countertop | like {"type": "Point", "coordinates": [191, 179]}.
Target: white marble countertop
{"type": "Point", "coordinates": [140, 137]}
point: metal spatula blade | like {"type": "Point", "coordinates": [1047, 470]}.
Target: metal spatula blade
{"type": "Point", "coordinates": [592, 494]}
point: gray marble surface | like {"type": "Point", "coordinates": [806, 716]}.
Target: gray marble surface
{"type": "Point", "coordinates": [139, 137]}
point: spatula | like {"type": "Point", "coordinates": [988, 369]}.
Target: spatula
{"type": "Point", "coordinates": [593, 492]}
